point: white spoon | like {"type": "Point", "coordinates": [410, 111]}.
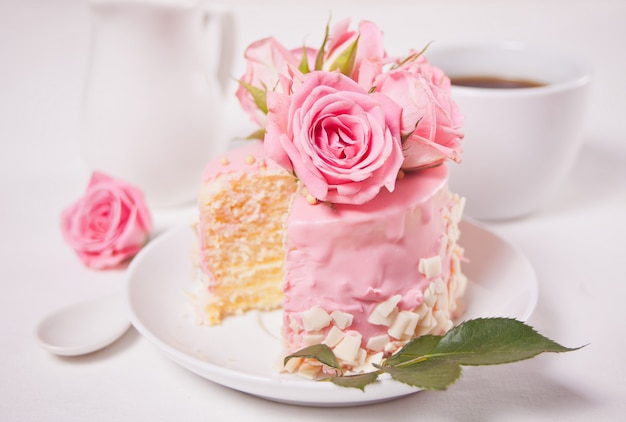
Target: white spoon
{"type": "Point", "coordinates": [84, 327]}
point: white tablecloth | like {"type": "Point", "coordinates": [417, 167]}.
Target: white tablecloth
{"type": "Point", "coordinates": [575, 243]}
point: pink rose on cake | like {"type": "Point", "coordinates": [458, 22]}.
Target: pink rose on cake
{"type": "Point", "coordinates": [108, 225]}
{"type": "Point", "coordinates": [431, 120]}
{"type": "Point", "coordinates": [321, 134]}
{"type": "Point", "coordinates": [270, 66]}
{"type": "Point", "coordinates": [268, 63]}
{"type": "Point", "coordinates": [359, 55]}
{"type": "Point", "coordinates": [341, 141]}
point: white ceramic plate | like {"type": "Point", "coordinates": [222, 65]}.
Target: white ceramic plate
{"type": "Point", "coordinates": [241, 352]}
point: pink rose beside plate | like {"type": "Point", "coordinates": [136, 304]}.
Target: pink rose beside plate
{"type": "Point", "coordinates": [109, 224]}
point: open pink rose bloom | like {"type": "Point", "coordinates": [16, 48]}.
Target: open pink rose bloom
{"type": "Point", "coordinates": [347, 118]}
{"type": "Point", "coordinates": [108, 225]}
{"type": "Point", "coordinates": [342, 142]}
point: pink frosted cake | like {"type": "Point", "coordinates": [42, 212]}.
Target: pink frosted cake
{"type": "Point", "coordinates": [363, 279]}
{"type": "Point", "coordinates": [366, 279]}
{"type": "Point", "coordinates": [342, 216]}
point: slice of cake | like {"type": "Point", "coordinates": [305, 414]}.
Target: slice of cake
{"type": "Point", "coordinates": [363, 279]}
{"type": "Point", "coordinates": [243, 205]}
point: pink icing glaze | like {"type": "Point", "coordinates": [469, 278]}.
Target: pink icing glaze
{"type": "Point", "coordinates": [350, 258]}
{"type": "Point", "coordinates": [235, 161]}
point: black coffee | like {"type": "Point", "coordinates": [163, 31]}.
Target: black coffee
{"type": "Point", "coordinates": [494, 82]}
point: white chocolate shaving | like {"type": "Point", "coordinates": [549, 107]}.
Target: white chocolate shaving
{"type": "Point", "coordinates": [376, 358]}
{"type": "Point", "coordinates": [315, 319]}
{"type": "Point", "coordinates": [377, 319]}
{"type": "Point", "coordinates": [294, 324]}
{"type": "Point", "coordinates": [404, 322]}
{"type": "Point", "coordinates": [386, 307]}
{"type": "Point", "coordinates": [334, 336]}
{"type": "Point", "coordinates": [341, 319]}
{"type": "Point", "coordinates": [361, 355]}
{"type": "Point", "coordinates": [308, 370]}
{"type": "Point", "coordinates": [385, 312]}
{"type": "Point", "coordinates": [377, 343]}
{"type": "Point", "coordinates": [311, 339]}
{"type": "Point", "coordinates": [368, 366]}
{"type": "Point", "coordinates": [348, 348]}
{"type": "Point", "coordinates": [430, 267]}
{"type": "Point", "coordinates": [429, 296]}
{"type": "Point", "coordinates": [293, 364]}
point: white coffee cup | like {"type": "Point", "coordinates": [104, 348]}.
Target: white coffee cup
{"type": "Point", "coordinates": [520, 143]}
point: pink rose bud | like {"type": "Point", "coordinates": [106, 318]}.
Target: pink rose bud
{"type": "Point", "coordinates": [109, 224]}
{"type": "Point", "coordinates": [431, 120]}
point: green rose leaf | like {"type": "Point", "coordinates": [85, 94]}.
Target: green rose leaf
{"type": "Point", "coordinates": [319, 60]}
{"type": "Point", "coordinates": [345, 62]}
{"type": "Point", "coordinates": [434, 362]}
{"type": "Point", "coordinates": [355, 381]}
{"type": "Point", "coordinates": [413, 56]}
{"type": "Point", "coordinates": [427, 374]}
{"type": "Point", "coordinates": [257, 134]}
{"type": "Point", "coordinates": [259, 95]}
{"type": "Point", "coordinates": [491, 341]}
{"type": "Point", "coordinates": [304, 62]}
{"type": "Point", "coordinates": [320, 352]}
{"type": "Point", "coordinates": [415, 350]}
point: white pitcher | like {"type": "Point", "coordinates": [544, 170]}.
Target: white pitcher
{"type": "Point", "coordinates": [153, 100]}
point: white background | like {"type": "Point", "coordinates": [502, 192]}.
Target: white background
{"type": "Point", "coordinates": [576, 243]}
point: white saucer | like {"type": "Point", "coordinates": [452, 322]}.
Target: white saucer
{"type": "Point", "coordinates": [241, 352]}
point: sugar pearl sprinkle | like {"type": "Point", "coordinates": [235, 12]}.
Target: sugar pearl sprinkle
{"type": "Point", "coordinates": [250, 159]}
{"type": "Point", "coordinates": [224, 161]}
{"type": "Point", "coordinates": [312, 200]}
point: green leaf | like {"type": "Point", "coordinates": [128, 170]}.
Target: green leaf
{"type": "Point", "coordinates": [408, 135]}
{"type": "Point", "coordinates": [490, 341]}
{"type": "Point", "coordinates": [304, 62]}
{"type": "Point", "coordinates": [355, 381]}
{"type": "Point", "coordinates": [414, 350]}
{"type": "Point", "coordinates": [321, 352]}
{"type": "Point", "coordinates": [345, 62]}
{"type": "Point", "coordinates": [319, 59]}
{"type": "Point", "coordinates": [413, 56]}
{"type": "Point", "coordinates": [259, 95]}
{"type": "Point", "coordinates": [434, 362]}
{"type": "Point", "coordinates": [428, 374]}
{"type": "Point", "coordinates": [257, 134]}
